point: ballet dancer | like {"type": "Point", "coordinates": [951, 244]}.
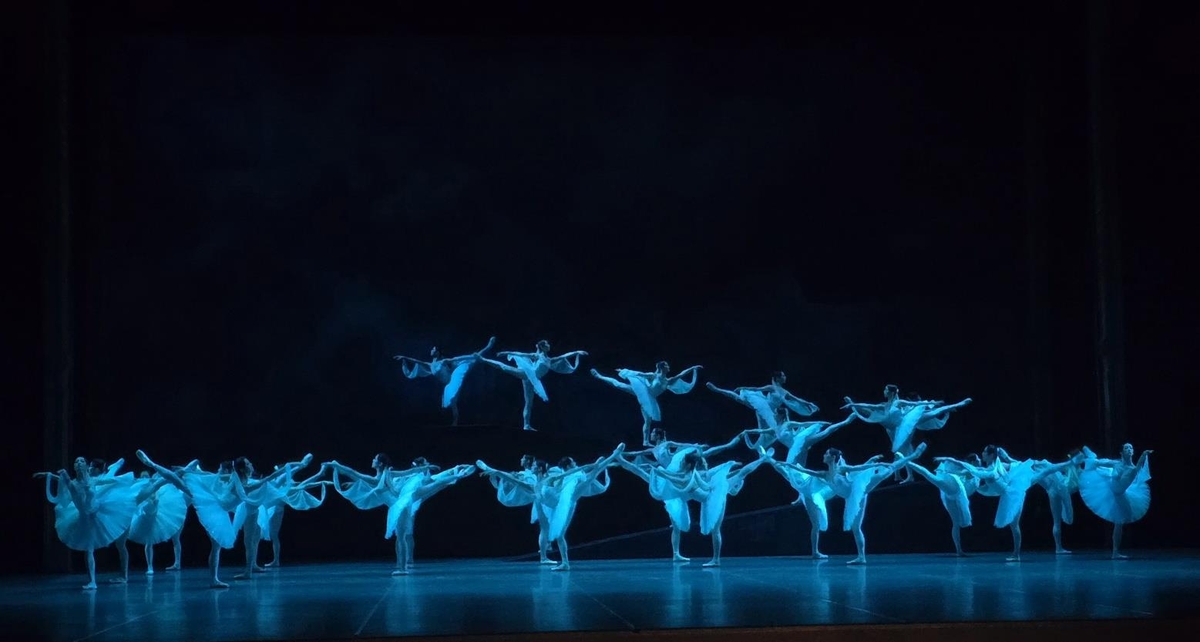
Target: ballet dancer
{"type": "Point", "coordinates": [1009, 482]}
{"type": "Point", "coordinates": [854, 485]}
{"type": "Point", "coordinates": [294, 495]}
{"type": "Point", "coordinates": [1116, 490]}
{"type": "Point", "coordinates": [382, 489]}
{"type": "Point", "coordinates": [1059, 487]}
{"type": "Point", "coordinates": [766, 400]}
{"type": "Point", "coordinates": [648, 386]}
{"type": "Point", "coordinates": [901, 417]}
{"type": "Point", "coordinates": [517, 495]}
{"type": "Point", "coordinates": [90, 512]}
{"type": "Point", "coordinates": [711, 487]}
{"type": "Point", "coordinates": [558, 494]}
{"type": "Point", "coordinates": [450, 371]}
{"type": "Point", "coordinates": [669, 456]}
{"type": "Point", "coordinates": [416, 489]}
{"type": "Point", "coordinates": [955, 486]}
{"type": "Point", "coordinates": [530, 367]}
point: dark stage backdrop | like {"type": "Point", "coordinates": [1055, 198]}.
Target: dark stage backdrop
{"type": "Point", "coordinates": [263, 219]}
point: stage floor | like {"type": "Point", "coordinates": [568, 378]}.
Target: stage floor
{"type": "Point", "coordinates": [339, 601]}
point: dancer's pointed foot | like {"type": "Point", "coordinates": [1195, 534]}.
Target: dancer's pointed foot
{"type": "Point", "coordinates": [547, 560]}
{"type": "Point", "coordinates": [90, 586]}
{"type": "Point", "coordinates": [272, 564]}
{"type": "Point", "coordinates": [679, 558]}
{"type": "Point", "coordinates": [149, 571]}
{"type": "Point", "coordinates": [173, 567]}
{"type": "Point", "coordinates": [1120, 556]}
{"type": "Point", "coordinates": [858, 560]}
{"type": "Point", "coordinates": [118, 580]}
{"type": "Point", "coordinates": [399, 571]}
{"type": "Point", "coordinates": [259, 569]}
{"type": "Point", "coordinates": [529, 428]}
{"type": "Point", "coordinates": [562, 567]}
{"type": "Point", "coordinates": [1013, 558]}
{"type": "Point", "coordinates": [818, 555]}
{"type": "Point", "coordinates": [1062, 551]}
{"type": "Point", "coordinates": [712, 563]}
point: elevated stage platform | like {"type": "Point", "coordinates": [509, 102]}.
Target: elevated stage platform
{"type": "Point", "coordinates": [926, 597]}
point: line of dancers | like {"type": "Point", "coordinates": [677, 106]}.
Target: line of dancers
{"type": "Point", "coordinates": [99, 506]}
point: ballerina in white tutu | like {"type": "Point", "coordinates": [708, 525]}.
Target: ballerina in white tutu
{"type": "Point", "coordinates": [771, 402]}
{"type": "Point", "coordinates": [1010, 482]}
{"type": "Point", "coordinates": [160, 514]}
{"type": "Point", "coordinates": [648, 386]}
{"type": "Point", "coordinates": [89, 512]}
{"type": "Point", "coordinates": [1060, 487]}
{"type": "Point", "coordinates": [451, 371]}
{"type": "Point", "coordinates": [402, 492]}
{"type": "Point", "coordinates": [955, 485]}
{"type": "Point", "coordinates": [530, 367]}
{"type": "Point", "coordinates": [711, 487]}
{"type": "Point", "coordinates": [1116, 490]}
{"type": "Point", "coordinates": [901, 418]}
{"type": "Point", "coordinates": [416, 490]}
{"type": "Point", "coordinates": [557, 494]}
{"type": "Point", "coordinates": [854, 485]}
{"type": "Point", "coordinates": [516, 495]}
{"type": "Point", "coordinates": [669, 456]}
{"type": "Point", "coordinates": [290, 494]}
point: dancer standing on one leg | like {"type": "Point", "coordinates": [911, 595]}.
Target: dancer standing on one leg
{"type": "Point", "coordinates": [416, 489]}
{"type": "Point", "coordinates": [515, 494]}
{"type": "Point", "coordinates": [669, 456]}
{"type": "Point", "coordinates": [450, 371]}
{"type": "Point", "coordinates": [294, 495]}
{"type": "Point", "coordinates": [648, 386]}
{"type": "Point", "coordinates": [854, 484]}
{"type": "Point", "coordinates": [1116, 490]}
{"type": "Point", "coordinates": [955, 486]}
{"type": "Point", "coordinates": [161, 512]}
{"type": "Point", "coordinates": [90, 513]}
{"type": "Point", "coordinates": [1059, 487]}
{"type": "Point", "coordinates": [712, 487]}
{"type": "Point", "coordinates": [530, 367]}
{"type": "Point", "coordinates": [386, 488]}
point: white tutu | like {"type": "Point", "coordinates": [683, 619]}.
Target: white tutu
{"type": "Point", "coordinates": [104, 516]}
{"type": "Point", "coordinates": [1101, 492]}
{"type": "Point", "coordinates": [216, 505]}
{"type": "Point", "coordinates": [958, 502]}
{"type": "Point", "coordinates": [159, 517]}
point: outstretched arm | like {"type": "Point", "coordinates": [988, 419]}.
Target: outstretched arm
{"type": "Point", "coordinates": [780, 465]}
{"type": "Point", "coordinates": [679, 385]}
{"type": "Point", "coordinates": [716, 449]}
{"type": "Point", "coordinates": [832, 428]}
{"type": "Point", "coordinates": [868, 465]}
{"type": "Point", "coordinates": [981, 473]}
{"type": "Point", "coordinates": [349, 472]}
{"type": "Point", "coordinates": [850, 405]}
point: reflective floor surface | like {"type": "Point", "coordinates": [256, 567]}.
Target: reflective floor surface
{"type": "Point", "coordinates": [492, 597]}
